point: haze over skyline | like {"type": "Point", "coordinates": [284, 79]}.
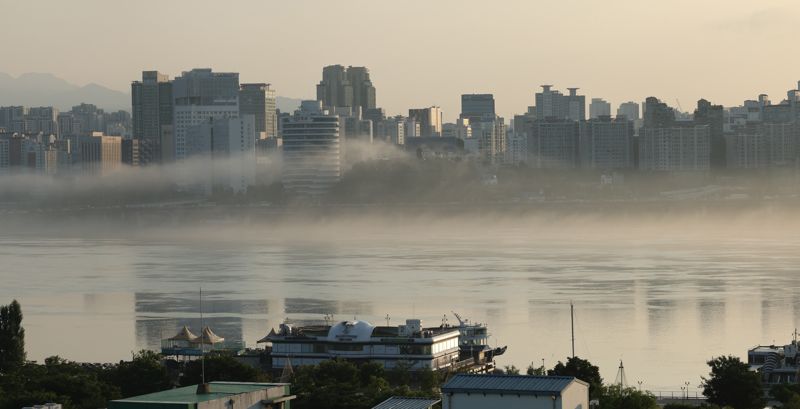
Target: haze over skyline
{"type": "Point", "coordinates": [422, 53]}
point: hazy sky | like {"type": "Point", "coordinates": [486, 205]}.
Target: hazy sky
{"type": "Point", "coordinates": [423, 52]}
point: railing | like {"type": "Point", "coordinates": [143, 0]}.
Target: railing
{"type": "Point", "coordinates": [678, 395]}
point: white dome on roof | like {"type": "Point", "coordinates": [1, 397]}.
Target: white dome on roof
{"type": "Point", "coordinates": [351, 331]}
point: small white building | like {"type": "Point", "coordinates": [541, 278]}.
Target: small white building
{"type": "Point", "coordinates": [515, 391]}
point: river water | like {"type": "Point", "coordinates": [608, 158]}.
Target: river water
{"type": "Point", "coordinates": [664, 303]}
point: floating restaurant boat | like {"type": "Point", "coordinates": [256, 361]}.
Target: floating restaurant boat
{"type": "Point", "coordinates": [409, 345]}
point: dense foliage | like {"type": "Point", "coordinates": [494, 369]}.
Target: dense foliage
{"type": "Point", "coordinates": [732, 383]}
{"type": "Point", "coordinates": [583, 370]}
{"type": "Point", "coordinates": [615, 397]}
{"type": "Point", "coordinates": [338, 384]}
{"type": "Point", "coordinates": [12, 337]}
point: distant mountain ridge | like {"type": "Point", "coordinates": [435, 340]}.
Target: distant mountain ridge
{"type": "Point", "coordinates": [43, 89]}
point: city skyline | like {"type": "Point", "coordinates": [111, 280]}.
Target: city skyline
{"type": "Point", "coordinates": [650, 61]}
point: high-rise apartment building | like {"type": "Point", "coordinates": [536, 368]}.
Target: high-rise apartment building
{"type": "Point", "coordinates": [259, 100]}
{"type": "Point", "coordinates": [42, 120]}
{"type": "Point", "coordinates": [553, 144]}
{"type": "Point", "coordinates": [311, 150]}
{"type": "Point", "coordinates": [429, 120]}
{"type": "Point", "coordinates": [555, 105]}
{"type": "Point", "coordinates": [599, 107]}
{"type": "Point", "coordinates": [607, 143]}
{"type": "Point", "coordinates": [198, 95]}
{"type": "Point", "coordinates": [675, 148]}
{"type": "Point", "coordinates": [629, 110]}
{"type": "Point", "coordinates": [714, 117]}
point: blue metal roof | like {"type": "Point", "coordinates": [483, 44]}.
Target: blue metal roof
{"type": "Point", "coordinates": [406, 403]}
{"type": "Point", "coordinates": [518, 384]}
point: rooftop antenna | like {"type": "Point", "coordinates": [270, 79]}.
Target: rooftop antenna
{"type": "Point", "coordinates": [444, 320]}
{"type": "Point", "coordinates": [572, 325]}
{"type": "Point", "coordinates": [387, 319]}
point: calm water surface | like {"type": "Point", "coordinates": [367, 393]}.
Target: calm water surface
{"type": "Point", "coordinates": [663, 306]}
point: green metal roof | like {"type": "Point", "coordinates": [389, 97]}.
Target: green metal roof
{"type": "Point", "coordinates": [188, 395]}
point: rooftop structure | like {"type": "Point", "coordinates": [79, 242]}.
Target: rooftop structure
{"type": "Point", "coordinates": [232, 395]}
{"type": "Point", "coordinates": [514, 391]}
{"type": "Point", "coordinates": [407, 403]}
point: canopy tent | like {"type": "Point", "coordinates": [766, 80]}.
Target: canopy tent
{"type": "Point", "coordinates": [208, 337]}
{"type": "Point", "coordinates": [184, 335]}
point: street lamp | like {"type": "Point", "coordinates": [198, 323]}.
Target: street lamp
{"type": "Point", "coordinates": [640, 385]}
{"type": "Point", "coordinates": [687, 383]}
{"type": "Point", "coordinates": [683, 392]}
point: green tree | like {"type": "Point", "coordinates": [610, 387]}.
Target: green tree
{"type": "Point", "coordinates": [784, 392]}
{"type": "Point", "coordinates": [732, 383]}
{"type": "Point", "coordinates": [338, 384]}
{"type": "Point", "coordinates": [142, 375]}
{"type": "Point", "coordinates": [616, 397]}
{"type": "Point", "coordinates": [12, 337]}
{"type": "Point", "coordinates": [511, 370]}
{"type": "Point", "coordinates": [76, 386]}
{"type": "Point", "coordinates": [583, 370]}
{"type": "Point", "coordinates": [540, 371]}
{"type": "Point", "coordinates": [220, 368]}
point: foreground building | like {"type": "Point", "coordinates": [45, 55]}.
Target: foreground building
{"type": "Point", "coordinates": [213, 395]}
{"type": "Point", "coordinates": [410, 344]}
{"type": "Point", "coordinates": [515, 391]}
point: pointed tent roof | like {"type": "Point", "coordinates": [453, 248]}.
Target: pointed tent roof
{"type": "Point", "coordinates": [184, 335]}
{"type": "Point", "coordinates": [266, 338]}
{"type": "Point", "coordinates": [208, 337]}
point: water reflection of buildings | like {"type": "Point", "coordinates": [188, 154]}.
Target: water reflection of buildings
{"type": "Point", "coordinates": [160, 315]}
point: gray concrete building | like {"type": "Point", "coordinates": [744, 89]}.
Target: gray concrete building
{"type": "Point", "coordinates": [675, 148]}
{"type": "Point", "coordinates": [312, 153]}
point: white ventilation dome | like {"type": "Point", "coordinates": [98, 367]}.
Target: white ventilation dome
{"type": "Point", "coordinates": [351, 331]}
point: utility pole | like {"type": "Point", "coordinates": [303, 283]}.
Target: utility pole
{"type": "Point", "coordinates": [572, 324]}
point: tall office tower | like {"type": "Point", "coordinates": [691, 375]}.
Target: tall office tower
{"type": "Point", "coordinates": [553, 144]}
{"type": "Point", "coordinates": [152, 114]}
{"type": "Point", "coordinates": [555, 105]}
{"type": "Point", "coordinates": [606, 143]}
{"type": "Point", "coordinates": [629, 110]}
{"type": "Point", "coordinates": [657, 113]}
{"type": "Point", "coordinates": [230, 143]}
{"type": "Point", "coordinates": [429, 120]}
{"type": "Point", "coordinates": [714, 117]}
{"type": "Point", "coordinates": [675, 148]}
{"type": "Point", "coordinates": [311, 151]}
{"type": "Point", "coordinates": [42, 120]}
{"type": "Point", "coordinates": [100, 154]}
{"type": "Point", "coordinates": [599, 107]}
{"type": "Point", "coordinates": [130, 152]}
{"type": "Point", "coordinates": [259, 100]}
{"type": "Point", "coordinates": [363, 91]}
{"type": "Point", "coordinates": [477, 107]}
{"type": "Point", "coordinates": [198, 95]}
{"type": "Point", "coordinates": [335, 90]}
